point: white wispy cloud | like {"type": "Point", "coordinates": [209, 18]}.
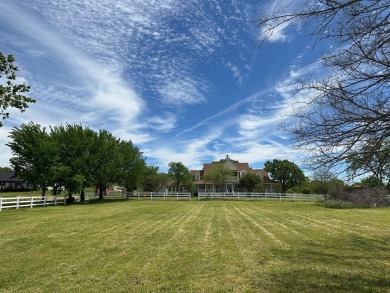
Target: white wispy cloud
{"type": "Point", "coordinates": [279, 31]}
{"type": "Point", "coordinates": [132, 67]}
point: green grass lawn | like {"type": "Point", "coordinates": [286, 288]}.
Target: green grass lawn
{"type": "Point", "coordinates": [20, 193]}
{"type": "Point", "coordinates": [192, 246]}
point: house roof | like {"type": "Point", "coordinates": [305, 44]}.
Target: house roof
{"type": "Point", "coordinates": [237, 166]}
{"type": "Point", "coordinates": [9, 176]}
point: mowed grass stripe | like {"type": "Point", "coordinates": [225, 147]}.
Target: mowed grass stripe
{"type": "Point", "coordinates": [282, 225]}
{"type": "Point", "coordinates": [331, 225]}
{"type": "Point", "coordinates": [260, 224]}
{"type": "Point", "coordinates": [208, 246]}
{"type": "Point", "coordinates": [174, 239]}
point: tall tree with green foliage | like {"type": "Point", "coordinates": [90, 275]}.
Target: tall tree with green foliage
{"type": "Point", "coordinates": [74, 147]}
{"type": "Point", "coordinates": [104, 159]}
{"type": "Point", "coordinates": [11, 93]}
{"type": "Point", "coordinates": [375, 164]}
{"type": "Point", "coordinates": [131, 167]}
{"type": "Point", "coordinates": [219, 174]}
{"type": "Point", "coordinates": [180, 175]}
{"type": "Point", "coordinates": [35, 155]}
{"type": "Point", "coordinates": [287, 173]}
{"type": "Point", "coordinates": [153, 180]}
{"type": "Point", "coordinates": [320, 181]}
{"type": "Point", "coordinates": [249, 182]}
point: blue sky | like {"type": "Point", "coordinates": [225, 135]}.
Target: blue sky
{"type": "Point", "coordinates": [184, 80]}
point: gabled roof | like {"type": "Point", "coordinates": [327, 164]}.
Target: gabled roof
{"type": "Point", "coordinates": [237, 166]}
{"type": "Point", "coordinates": [9, 176]}
{"type": "Point", "coordinates": [242, 166]}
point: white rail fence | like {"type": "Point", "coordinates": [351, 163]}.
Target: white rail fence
{"type": "Point", "coordinates": [262, 196]}
{"type": "Point", "coordinates": [29, 201]}
{"type": "Point", "coordinates": [158, 195]}
{"type": "Point", "coordinates": [38, 201]}
{"type": "Point", "coordinates": [95, 196]}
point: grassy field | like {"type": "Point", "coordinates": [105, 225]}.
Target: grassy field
{"type": "Point", "coordinates": [192, 246]}
{"type": "Point", "coordinates": [20, 193]}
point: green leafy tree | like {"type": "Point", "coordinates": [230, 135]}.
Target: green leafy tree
{"type": "Point", "coordinates": [104, 159]}
{"type": "Point", "coordinates": [250, 182]}
{"type": "Point", "coordinates": [153, 180]}
{"type": "Point", "coordinates": [321, 181]}
{"type": "Point", "coordinates": [11, 93]}
{"type": "Point", "coordinates": [180, 174]}
{"type": "Point", "coordinates": [287, 173]}
{"type": "Point", "coordinates": [131, 167]}
{"type": "Point", "coordinates": [74, 147]}
{"type": "Point", "coordinates": [372, 181]}
{"type": "Point", "coordinates": [376, 164]}
{"type": "Point", "coordinates": [35, 155]}
{"type": "Point", "coordinates": [219, 174]}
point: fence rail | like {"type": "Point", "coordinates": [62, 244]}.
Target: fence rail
{"type": "Point", "coordinates": [94, 196]}
{"type": "Point", "coordinates": [264, 196]}
{"type": "Point", "coordinates": [35, 201]}
{"type": "Point", "coordinates": [29, 201]}
{"type": "Point", "coordinates": [158, 195]}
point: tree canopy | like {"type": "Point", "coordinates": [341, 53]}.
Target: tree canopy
{"type": "Point", "coordinates": [180, 174]}
{"type": "Point", "coordinates": [74, 157]}
{"type": "Point", "coordinates": [219, 174]}
{"type": "Point", "coordinates": [35, 155]}
{"type": "Point", "coordinates": [287, 173]}
{"type": "Point", "coordinates": [343, 112]}
{"type": "Point", "coordinates": [153, 180]}
{"type": "Point", "coordinates": [249, 181]}
{"type": "Point", "coordinates": [11, 92]}
{"type": "Point", "coordinates": [375, 164]}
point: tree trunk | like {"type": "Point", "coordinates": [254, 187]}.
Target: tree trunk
{"type": "Point", "coordinates": [101, 192]}
{"type": "Point", "coordinates": [82, 196]}
{"type": "Point", "coordinates": [43, 191]}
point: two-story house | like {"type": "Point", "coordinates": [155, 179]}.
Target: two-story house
{"type": "Point", "coordinates": [238, 170]}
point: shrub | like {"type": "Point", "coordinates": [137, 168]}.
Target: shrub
{"type": "Point", "coordinates": [340, 204]}
{"type": "Point", "coordinates": [360, 197]}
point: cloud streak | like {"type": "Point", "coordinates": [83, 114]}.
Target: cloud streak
{"type": "Point", "coordinates": [172, 76]}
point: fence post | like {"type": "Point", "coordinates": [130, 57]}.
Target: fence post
{"type": "Point", "coordinates": [17, 202]}
{"type": "Point", "coordinates": [32, 202]}
{"type": "Point", "coordinates": [55, 200]}
{"type": "Point", "coordinates": [151, 196]}
{"type": "Point", "coordinates": [44, 200]}
{"type": "Point", "coordinates": [1, 203]}
{"type": "Point", "coordinates": [280, 197]}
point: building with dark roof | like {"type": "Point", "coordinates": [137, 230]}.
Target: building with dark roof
{"type": "Point", "coordinates": [238, 170]}
{"type": "Point", "coordinates": [10, 181]}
